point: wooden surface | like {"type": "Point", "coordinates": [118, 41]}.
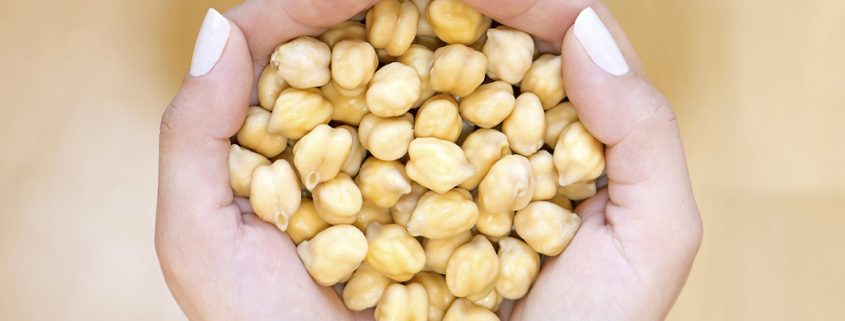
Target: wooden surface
{"type": "Point", "coordinates": [758, 86]}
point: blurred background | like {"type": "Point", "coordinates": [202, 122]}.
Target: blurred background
{"type": "Point", "coordinates": [758, 86]}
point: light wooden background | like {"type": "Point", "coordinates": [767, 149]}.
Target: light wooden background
{"type": "Point", "coordinates": [759, 88]}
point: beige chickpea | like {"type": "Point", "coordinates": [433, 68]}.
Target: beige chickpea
{"type": "Point", "coordinates": [489, 105]}
{"type": "Point", "coordinates": [490, 302]}
{"type": "Point", "coordinates": [518, 268]}
{"type": "Point", "coordinates": [438, 252]}
{"type": "Point", "coordinates": [370, 213]}
{"type": "Point", "coordinates": [483, 148]}
{"type": "Point", "coordinates": [303, 62]}
{"type": "Point", "coordinates": [509, 52]}
{"type": "Point", "coordinates": [356, 154]}
{"type": "Point", "coordinates": [338, 200]}
{"type": "Point", "coordinates": [509, 185]}
{"type": "Point", "coordinates": [320, 155]}
{"type": "Point", "coordinates": [455, 22]}
{"type": "Point", "coordinates": [387, 138]}
{"type": "Point", "coordinates": [242, 163]}
{"type": "Point", "coordinates": [457, 70]}
{"type": "Point", "coordinates": [383, 182]}
{"type": "Point", "coordinates": [253, 134]}
{"type": "Point", "coordinates": [345, 109]}
{"type": "Point", "coordinates": [287, 155]}
{"type": "Point", "coordinates": [394, 252]}
{"type": "Point", "coordinates": [298, 111]}
{"type": "Point", "coordinates": [494, 225]}
{"type": "Point", "coordinates": [305, 222]}
{"type": "Point", "coordinates": [354, 63]}
{"type": "Point", "coordinates": [545, 174]}
{"type": "Point", "coordinates": [437, 164]}
{"type": "Point", "coordinates": [473, 269]}
{"type": "Point", "coordinates": [365, 288]}
{"type": "Point", "coordinates": [578, 155]}
{"type": "Point", "coordinates": [439, 216]}
{"type": "Point", "coordinates": [557, 118]}
{"type": "Point", "coordinates": [269, 87]}
{"type": "Point", "coordinates": [394, 90]}
{"type": "Point", "coordinates": [392, 25]}
{"type": "Point", "coordinates": [526, 125]}
{"type": "Point", "coordinates": [423, 27]}
{"type": "Point", "coordinates": [420, 58]}
{"type": "Point", "coordinates": [545, 79]}
{"type": "Point", "coordinates": [439, 297]}
{"type": "Point", "coordinates": [579, 191]}
{"type": "Point", "coordinates": [274, 193]}
{"type": "Point", "coordinates": [439, 118]}
{"type": "Point", "coordinates": [333, 254]}
{"type": "Point", "coordinates": [465, 310]}
{"type": "Point", "coordinates": [403, 302]}
{"type": "Point", "coordinates": [401, 212]}
{"type": "Point", "coordinates": [347, 30]}
{"type": "Point", "coordinates": [546, 227]}
{"type": "Point", "coordinates": [562, 201]}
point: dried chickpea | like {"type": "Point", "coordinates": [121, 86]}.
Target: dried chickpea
{"type": "Point", "coordinates": [242, 163]}
{"type": "Point", "coordinates": [394, 90]}
{"type": "Point", "coordinates": [356, 154]}
{"type": "Point", "coordinates": [298, 111]}
{"type": "Point", "coordinates": [546, 227]}
{"type": "Point", "coordinates": [274, 193]}
{"type": "Point", "coordinates": [345, 109]}
{"type": "Point", "coordinates": [338, 200]}
{"type": "Point", "coordinates": [438, 252]}
{"type": "Point", "coordinates": [392, 25]}
{"type": "Point", "coordinates": [439, 216]}
{"type": "Point", "coordinates": [508, 186]}
{"type": "Point", "coordinates": [403, 303]}
{"type": "Point", "coordinates": [365, 288]}
{"type": "Point", "coordinates": [303, 62]}
{"type": "Point", "coordinates": [557, 118]}
{"type": "Point", "coordinates": [579, 191]}
{"type": "Point", "coordinates": [439, 118]}
{"type": "Point", "coordinates": [387, 138]}
{"type": "Point", "coordinates": [526, 125]}
{"type": "Point", "coordinates": [347, 30]}
{"type": "Point", "coordinates": [578, 155]}
{"type": "Point", "coordinates": [518, 268]}
{"type": "Point", "coordinates": [383, 182]}
{"type": "Point", "coordinates": [455, 22]}
{"type": "Point", "coordinates": [509, 52]}
{"type": "Point", "coordinates": [489, 105]}
{"type": "Point", "coordinates": [253, 134]}
{"type": "Point", "coordinates": [490, 302]}
{"type": "Point", "coordinates": [483, 148]}
{"type": "Point", "coordinates": [437, 164]}
{"type": "Point", "coordinates": [465, 310]}
{"type": "Point", "coordinates": [473, 269]}
{"type": "Point", "coordinates": [354, 63]}
{"type": "Point", "coordinates": [457, 70]}
{"type": "Point", "coordinates": [545, 79]}
{"type": "Point", "coordinates": [370, 213]}
{"type": "Point", "coordinates": [495, 225]}
{"type": "Point", "coordinates": [305, 222]}
{"type": "Point", "coordinates": [401, 212]}
{"type": "Point", "coordinates": [545, 174]}
{"type": "Point", "coordinates": [269, 87]}
{"type": "Point", "coordinates": [320, 155]}
{"type": "Point", "coordinates": [423, 27]}
{"type": "Point", "coordinates": [562, 201]}
{"type": "Point", "coordinates": [287, 155]}
{"type": "Point", "coordinates": [333, 254]}
{"type": "Point", "coordinates": [439, 297]}
{"type": "Point", "coordinates": [394, 252]}
{"type": "Point", "coordinates": [420, 58]}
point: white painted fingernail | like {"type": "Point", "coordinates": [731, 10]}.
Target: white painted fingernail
{"type": "Point", "coordinates": [210, 43]}
{"type": "Point", "coordinates": [599, 44]}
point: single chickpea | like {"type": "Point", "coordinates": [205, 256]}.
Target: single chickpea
{"type": "Point", "coordinates": [489, 105]}
{"type": "Point", "coordinates": [403, 302]}
{"type": "Point", "coordinates": [269, 87]}
{"type": "Point", "coordinates": [510, 53]}
{"type": "Point", "coordinates": [356, 154]}
{"type": "Point", "coordinates": [464, 309]}
{"type": "Point", "coordinates": [439, 297]}
{"type": "Point", "coordinates": [287, 155]}
{"type": "Point", "coordinates": [578, 155]}
{"type": "Point", "coordinates": [394, 252]}
{"type": "Point", "coordinates": [545, 79]}
{"type": "Point", "coordinates": [455, 22]}
{"type": "Point", "coordinates": [457, 70]}
{"type": "Point", "coordinates": [557, 118]}
{"type": "Point", "coordinates": [495, 225]}
{"type": "Point", "coordinates": [439, 216]}
{"type": "Point", "coordinates": [298, 111]}
{"type": "Point", "coordinates": [401, 212]}
{"type": "Point", "coordinates": [394, 90]}
{"type": "Point", "coordinates": [345, 109]}
{"type": "Point", "coordinates": [439, 118]}
{"type": "Point", "coordinates": [546, 227]}
{"type": "Point", "coordinates": [392, 25]}
{"type": "Point", "coordinates": [473, 269]}
{"type": "Point", "coordinates": [347, 30]}
{"type": "Point", "coordinates": [526, 125]}
{"type": "Point", "coordinates": [490, 302]}
{"type": "Point", "coordinates": [420, 58]}
{"type": "Point", "coordinates": [338, 200]}
{"type": "Point", "coordinates": [320, 155]}
{"type": "Point", "coordinates": [562, 201]}
{"type": "Point", "coordinates": [242, 163]}
{"type": "Point", "coordinates": [365, 288]}
{"type": "Point", "coordinates": [253, 134]}
{"type": "Point", "coordinates": [438, 252]}
{"type": "Point", "coordinates": [370, 213]}
{"type": "Point", "coordinates": [387, 138]}
{"type": "Point", "coordinates": [483, 148]}
{"type": "Point", "coordinates": [333, 254]}
{"type": "Point", "coordinates": [518, 268]}
{"type": "Point", "coordinates": [383, 182]}
{"type": "Point", "coordinates": [579, 191]}
{"type": "Point", "coordinates": [437, 164]}
{"type": "Point", "coordinates": [305, 222]}
{"type": "Point", "coordinates": [354, 63]}
{"type": "Point", "coordinates": [508, 186]}
{"type": "Point", "coordinates": [303, 62]}
{"type": "Point", "coordinates": [274, 193]}
{"type": "Point", "coordinates": [423, 27]}
{"type": "Point", "coordinates": [545, 175]}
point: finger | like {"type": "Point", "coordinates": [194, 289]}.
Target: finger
{"type": "Point", "coordinates": [547, 20]}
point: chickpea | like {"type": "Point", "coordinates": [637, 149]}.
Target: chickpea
{"type": "Point", "coordinates": [545, 79]}
{"type": "Point", "coordinates": [345, 109]}
{"type": "Point", "coordinates": [333, 254]}
{"type": "Point", "coordinates": [354, 63]}
{"type": "Point", "coordinates": [490, 302]}
{"type": "Point", "coordinates": [439, 297]}
{"type": "Point", "coordinates": [320, 155]}
{"type": "Point", "coordinates": [384, 57]}
{"type": "Point", "coordinates": [457, 70]}
{"type": "Point", "coordinates": [423, 27]}
{"type": "Point", "coordinates": [287, 155]}
{"type": "Point", "coordinates": [370, 213]}
{"type": "Point", "coordinates": [253, 134]}
{"type": "Point", "coordinates": [439, 216]}
{"type": "Point", "coordinates": [510, 53]}
{"type": "Point", "coordinates": [437, 164]}
{"type": "Point", "coordinates": [439, 118]}
{"type": "Point", "coordinates": [365, 288]}
{"type": "Point", "coordinates": [269, 87]}
{"type": "Point", "coordinates": [420, 58]}
{"type": "Point", "coordinates": [338, 200]}
{"type": "Point", "coordinates": [303, 62]}
{"type": "Point", "coordinates": [432, 43]}
{"type": "Point", "coordinates": [579, 191]}
{"type": "Point", "coordinates": [401, 212]}
{"type": "Point", "coordinates": [473, 268]}
{"type": "Point", "coordinates": [274, 193]}
{"type": "Point", "coordinates": [546, 227]}
{"type": "Point", "coordinates": [403, 302]}
{"type": "Point", "coordinates": [465, 310]}
{"type": "Point", "coordinates": [298, 111]}
{"type": "Point", "coordinates": [557, 118]}
{"type": "Point", "coordinates": [394, 90]}
{"type": "Point", "coordinates": [545, 174]}
{"type": "Point", "coordinates": [508, 186]}
{"type": "Point", "coordinates": [383, 182]}
{"type": "Point", "coordinates": [394, 252]}
{"type": "Point", "coordinates": [347, 30]}
{"type": "Point", "coordinates": [305, 222]}
{"type": "Point", "coordinates": [495, 225]}
{"type": "Point", "coordinates": [392, 25]}
{"type": "Point", "coordinates": [455, 22]}
{"type": "Point", "coordinates": [526, 125]}
{"type": "Point", "coordinates": [242, 163]}
{"type": "Point", "coordinates": [386, 138]}
{"type": "Point", "coordinates": [356, 154]}
{"type": "Point", "coordinates": [578, 155]}
{"type": "Point", "coordinates": [562, 201]}
{"type": "Point", "coordinates": [438, 252]}
{"type": "Point", "coordinates": [518, 268]}
{"type": "Point", "coordinates": [489, 105]}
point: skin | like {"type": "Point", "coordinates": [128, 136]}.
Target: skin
{"type": "Point", "coordinates": [629, 260]}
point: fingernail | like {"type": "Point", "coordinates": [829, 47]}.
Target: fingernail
{"type": "Point", "coordinates": [599, 44]}
{"type": "Point", "coordinates": [210, 43]}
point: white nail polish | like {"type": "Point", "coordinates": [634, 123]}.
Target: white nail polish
{"type": "Point", "coordinates": [599, 44]}
{"type": "Point", "coordinates": [210, 43]}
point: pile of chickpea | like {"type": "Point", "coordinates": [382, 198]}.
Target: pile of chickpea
{"type": "Point", "coordinates": [433, 160]}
